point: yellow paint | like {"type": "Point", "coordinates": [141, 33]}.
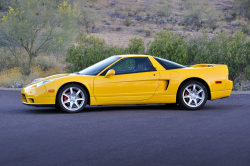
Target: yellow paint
{"type": "Point", "coordinates": [152, 87]}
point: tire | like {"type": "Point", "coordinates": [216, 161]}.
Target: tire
{"type": "Point", "coordinates": [192, 95]}
{"type": "Point", "coordinates": [72, 98]}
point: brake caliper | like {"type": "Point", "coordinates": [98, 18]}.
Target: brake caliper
{"type": "Point", "coordinates": [186, 93]}
{"type": "Point", "coordinates": [65, 98]}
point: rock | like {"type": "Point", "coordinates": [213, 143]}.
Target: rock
{"type": "Point", "coordinates": [96, 30]}
{"type": "Point", "coordinates": [17, 85]}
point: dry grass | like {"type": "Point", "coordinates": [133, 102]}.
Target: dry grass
{"type": "Point", "coordinates": [13, 78]}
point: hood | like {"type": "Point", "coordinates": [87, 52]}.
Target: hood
{"type": "Point", "coordinates": [49, 77]}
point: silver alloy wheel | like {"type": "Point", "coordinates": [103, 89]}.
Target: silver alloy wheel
{"type": "Point", "coordinates": [193, 95]}
{"type": "Point", "coordinates": [72, 98]}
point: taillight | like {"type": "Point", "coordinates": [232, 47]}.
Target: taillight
{"type": "Point", "coordinates": [218, 82]}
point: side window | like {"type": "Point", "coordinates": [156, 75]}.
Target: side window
{"type": "Point", "coordinates": [168, 64]}
{"type": "Point", "coordinates": [132, 65]}
{"type": "Point", "coordinates": [125, 66]}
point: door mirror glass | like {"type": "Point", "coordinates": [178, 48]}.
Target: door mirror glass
{"type": "Point", "coordinates": [110, 73]}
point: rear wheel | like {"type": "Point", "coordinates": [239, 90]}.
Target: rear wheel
{"type": "Point", "coordinates": [72, 98]}
{"type": "Point", "coordinates": [192, 95]}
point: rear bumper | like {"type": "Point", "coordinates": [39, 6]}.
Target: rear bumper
{"type": "Point", "coordinates": [224, 93]}
{"type": "Point", "coordinates": [220, 94]}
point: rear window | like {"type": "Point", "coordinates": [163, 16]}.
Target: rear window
{"type": "Point", "coordinates": [168, 64]}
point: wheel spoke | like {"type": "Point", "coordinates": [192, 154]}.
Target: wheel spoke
{"type": "Point", "coordinates": [186, 96]}
{"type": "Point", "coordinates": [188, 90]}
{"type": "Point", "coordinates": [198, 97]}
{"type": "Point", "coordinates": [194, 88]}
{"type": "Point", "coordinates": [64, 94]}
{"type": "Point", "coordinates": [195, 102]}
{"type": "Point", "coordinates": [71, 91]}
{"type": "Point", "coordinates": [80, 99]}
{"type": "Point", "coordinates": [70, 106]}
{"type": "Point", "coordinates": [78, 92]}
{"type": "Point", "coordinates": [189, 102]}
{"type": "Point", "coordinates": [199, 91]}
{"type": "Point", "coordinates": [77, 105]}
{"type": "Point", "coordinates": [67, 101]}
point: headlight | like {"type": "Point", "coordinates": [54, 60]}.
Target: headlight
{"type": "Point", "coordinates": [43, 82]}
{"type": "Point", "coordinates": [36, 80]}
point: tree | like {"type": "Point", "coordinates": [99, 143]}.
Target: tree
{"type": "Point", "coordinates": [34, 26]}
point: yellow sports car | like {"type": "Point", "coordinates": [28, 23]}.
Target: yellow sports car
{"type": "Point", "coordinates": [131, 79]}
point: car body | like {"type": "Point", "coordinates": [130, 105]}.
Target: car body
{"type": "Point", "coordinates": [132, 79]}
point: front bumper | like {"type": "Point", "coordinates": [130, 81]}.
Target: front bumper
{"type": "Point", "coordinates": [32, 95]}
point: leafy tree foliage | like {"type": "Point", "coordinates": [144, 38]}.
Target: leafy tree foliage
{"type": "Point", "coordinates": [34, 26]}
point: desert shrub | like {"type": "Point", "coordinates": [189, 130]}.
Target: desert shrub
{"type": "Point", "coordinates": [7, 61]}
{"type": "Point", "coordinates": [241, 24]}
{"type": "Point", "coordinates": [170, 46]}
{"type": "Point", "coordinates": [203, 50]}
{"type": "Point", "coordinates": [200, 13]}
{"type": "Point", "coordinates": [236, 53]}
{"type": "Point", "coordinates": [89, 17]}
{"type": "Point", "coordinates": [147, 32]}
{"type": "Point", "coordinates": [162, 9]}
{"type": "Point", "coordinates": [45, 62]}
{"type": "Point", "coordinates": [2, 4]}
{"type": "Point", "coordinates": [136, 46]}
{"type": "Point", "coordinates": [82, 57]}
{"type": "Point", "coordinates": [85, 40]}
{"type": "Point", "coordinates": [127, 22]}
{"type": "Point", "coordinates": [93, 49]}
{"type": "Point", "coordinates": [232, 50]}
{"type": "Point", "coordinates": [242, 7]}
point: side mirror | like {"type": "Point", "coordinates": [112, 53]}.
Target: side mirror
{"type": "Point", "coordinates": [110, 73]}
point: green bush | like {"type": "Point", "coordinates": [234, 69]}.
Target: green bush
{"type": "Point", "coordinates": [93, 49]}
{"type": "Point", "coordinates": [232, 50]}
{"type": "Point", "coordinates": [234, 53]}
{"type": "Point", "coordinates": [169, 46]}
{"type": "Point", "coordinates": [203, 50]}
{"type": "Point", "coordinates": [136, 46]}
{"type": "Point", "coordinates": [127, 22]}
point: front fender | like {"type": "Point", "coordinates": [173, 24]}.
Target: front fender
{"type": "Point", "coordinates": [56, 84]}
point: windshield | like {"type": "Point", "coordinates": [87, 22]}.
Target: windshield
{"type": "Point", "coordinates": [100, 66]}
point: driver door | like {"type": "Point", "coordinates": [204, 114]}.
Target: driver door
{"type": "Point", "coordinates": [135, 79]}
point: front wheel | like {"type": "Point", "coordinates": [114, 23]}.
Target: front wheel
{"type": "Point", "coordinates": [192, 95]}
{"type": "Point", "coordinates": [72, 98]}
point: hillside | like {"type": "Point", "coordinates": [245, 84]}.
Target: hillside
{"type": "Point", "coordinates": [119, 20]}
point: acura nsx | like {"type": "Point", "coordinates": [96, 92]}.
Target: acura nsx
{"type": "Point", "coordinates": [131, 79]}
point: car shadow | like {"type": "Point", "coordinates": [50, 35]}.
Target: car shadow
{"type": "Point", "coordinates": [155, 107]}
